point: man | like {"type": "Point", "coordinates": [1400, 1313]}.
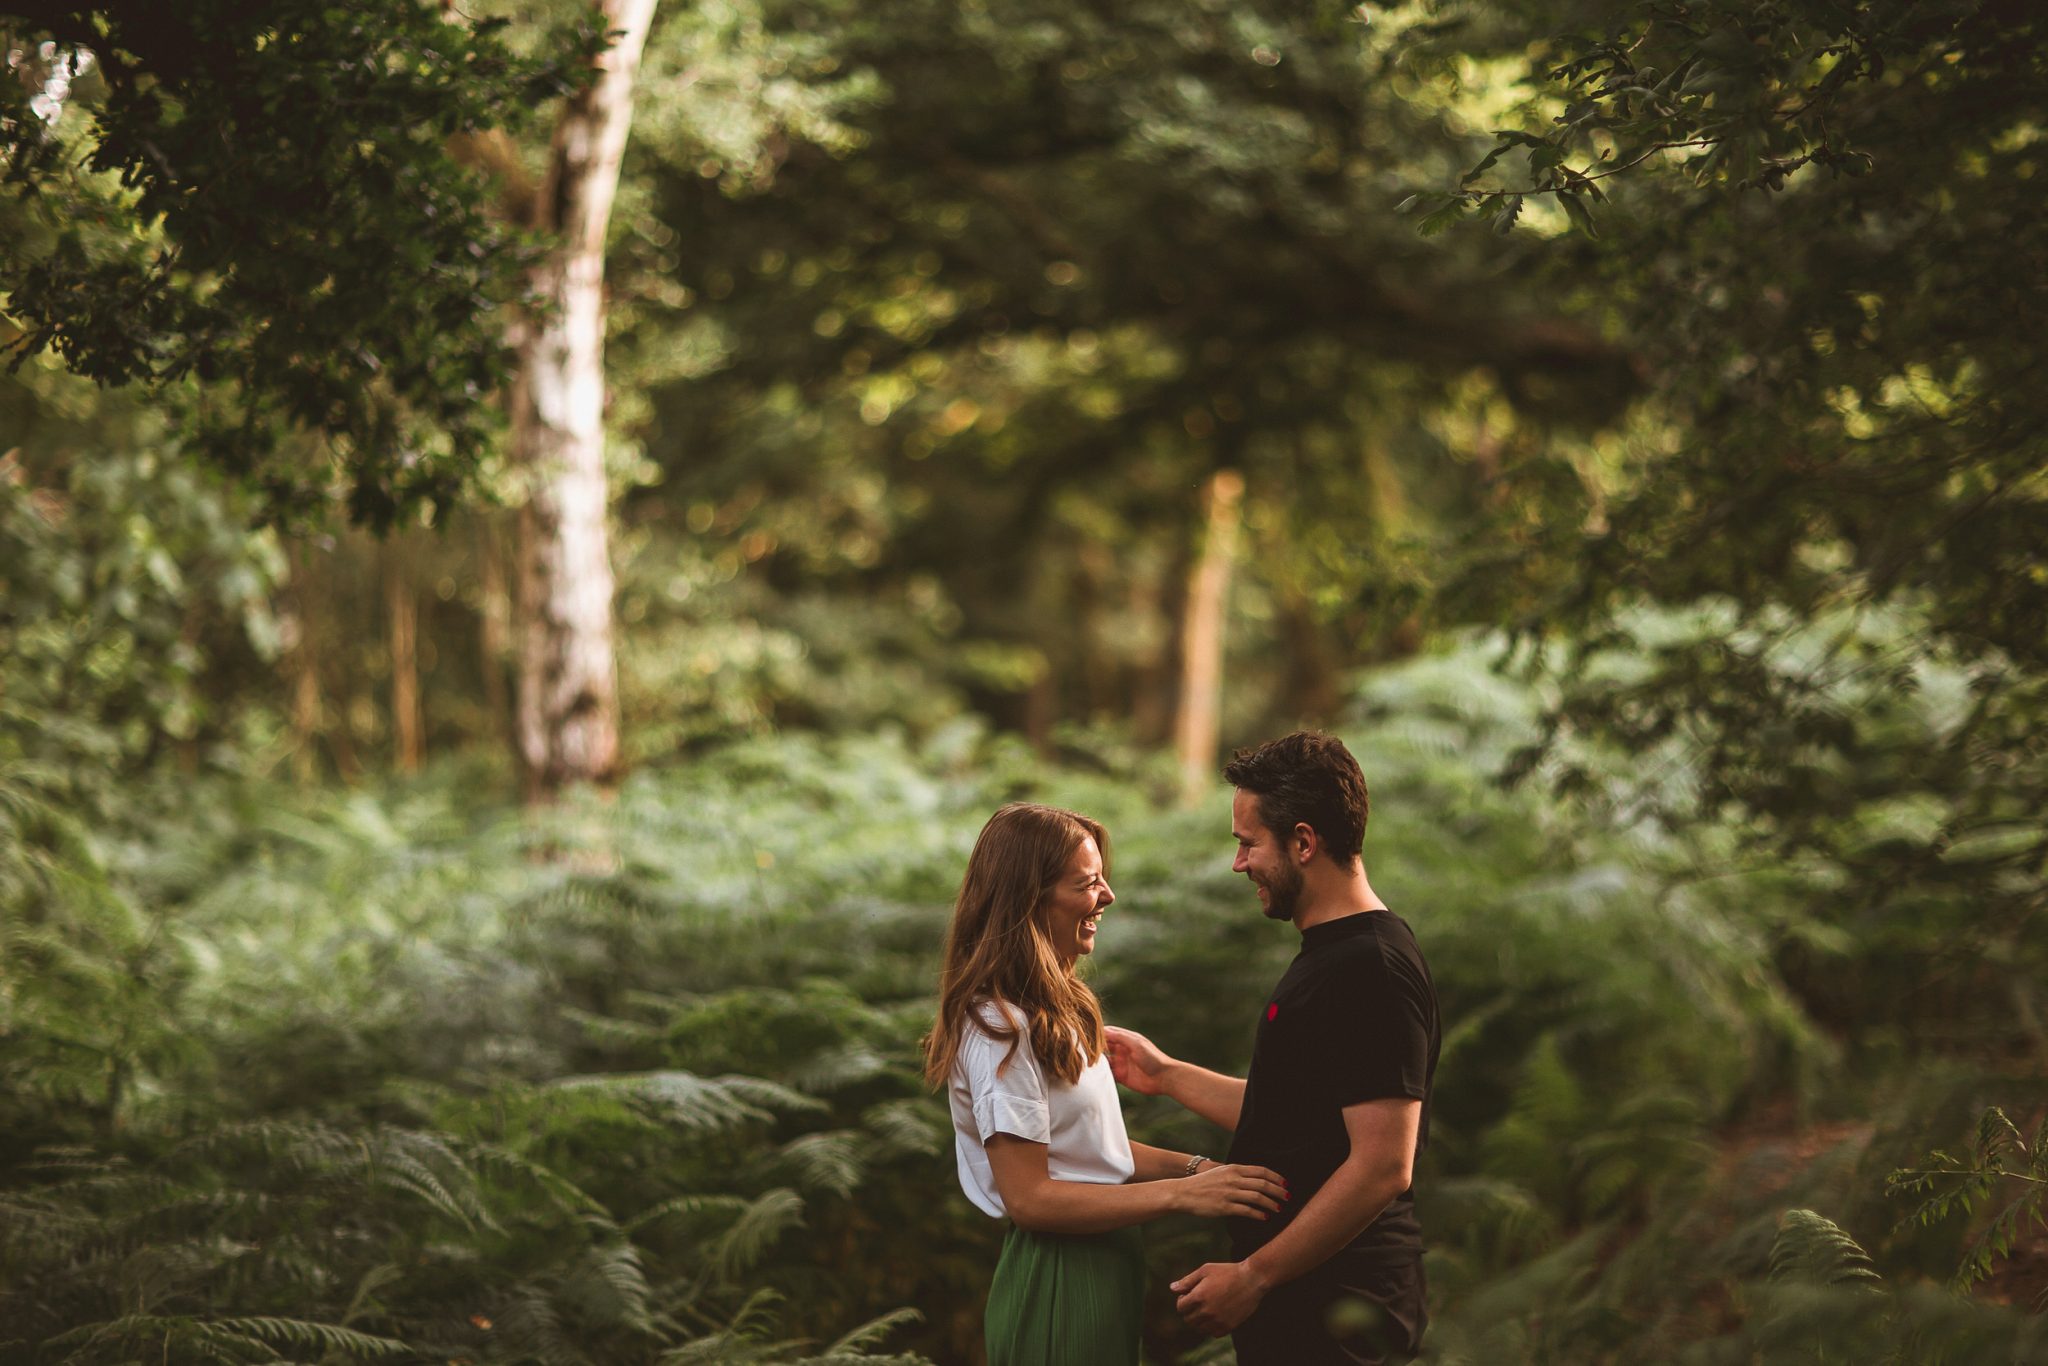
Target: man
{"type": "Point", "coordinates": [1337, 1100]}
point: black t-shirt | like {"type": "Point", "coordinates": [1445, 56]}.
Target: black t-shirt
{"type": "Point", "coordinates": [1354, 1018]}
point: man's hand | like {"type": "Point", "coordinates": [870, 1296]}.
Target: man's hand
{"type": "Point", "coordinates": [1135, 1061]}
{"type": "Point", "coordinates": [1217, 1296]}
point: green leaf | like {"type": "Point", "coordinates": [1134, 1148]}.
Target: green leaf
{"type": "Point", "coordinates": [1442, 217]}
{"type": "Point", "coordinates": [1581, 216]}
{"type": "Point", "coordinates": [1511, 209]}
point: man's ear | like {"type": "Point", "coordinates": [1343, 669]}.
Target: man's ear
{"type": "Point", "coordinates": [1305, 843]}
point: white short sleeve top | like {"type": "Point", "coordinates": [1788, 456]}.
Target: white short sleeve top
{"type": "Point", "coordinates": [1081, 1124]}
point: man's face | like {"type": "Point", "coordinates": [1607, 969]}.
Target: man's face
{"type": "Point", "coordinates": [1263, 858]}
{"type": "Point", "coordinates": [1076, 902]}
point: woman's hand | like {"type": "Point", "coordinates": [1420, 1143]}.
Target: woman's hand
{"type": "Point", "coordinates": [1216, 1191]}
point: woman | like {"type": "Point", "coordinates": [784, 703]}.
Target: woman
{"type": "Point", "coordinates": [1039, 1136]}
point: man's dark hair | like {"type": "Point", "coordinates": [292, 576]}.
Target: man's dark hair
{"type": "Point", "coordinates": [1306, 778]}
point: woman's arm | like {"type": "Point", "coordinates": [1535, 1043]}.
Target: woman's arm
{"type": "Point", "coordinates": [1035, 1201]}
{"type": "Point", "coordinates": [1162, 1164]}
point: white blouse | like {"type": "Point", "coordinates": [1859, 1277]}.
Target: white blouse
{"type": "Point", "coordinates": [1081, 1123]}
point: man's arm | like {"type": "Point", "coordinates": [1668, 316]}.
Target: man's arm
{"type": "Point", "coordinates": [1218, 1296]}
{"type": "Point", "coordinates": [1139, 1063]}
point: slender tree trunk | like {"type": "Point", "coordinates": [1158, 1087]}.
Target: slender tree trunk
{"type": "Point", "coordinates": [1310, 691]}
{"type": "Point", "coordinates": [403, 613]}
{"type": "Point", "coordinates": [1041, 708]}
{"type": "Point", "coordinates": [1094, 577]}
{"type": "Point", "coordinates": [1198, 723]}
{"type": "Point", "coordinates": [567, 709]}
{"type": "Point", "coordinates": [494, 626]}
{"type": "Point", "coordinates": [300, 620]}
{"type": "Point", "coordinates": [305, 703]}
{"type": "Point", "coordinates": [1152, 671]}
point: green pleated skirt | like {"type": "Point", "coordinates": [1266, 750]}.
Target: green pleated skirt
{"type": "Point", "coordinates": [1064, 1299]}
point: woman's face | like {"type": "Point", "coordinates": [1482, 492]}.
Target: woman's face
{"type": "Point", "coordinates": [1076, 903]}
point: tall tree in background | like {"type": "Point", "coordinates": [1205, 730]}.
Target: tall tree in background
{"type": "Point", "coordinates": [402, 618]}
{"type": "Point", "coordinates": [1198, 720]}
{"type": "Point", "coordinates": [248, 216]}
{"type": "Point", "coordinates": [567, 707]}
{"type": "Point", "coordinates": [251, 210]}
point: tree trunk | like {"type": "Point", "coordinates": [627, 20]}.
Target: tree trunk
{"type": "Point", "coordinates": [1151, 681]}
{"type": "Point", "coordinates": [1198, 723]}
{"type": "Point", "coordinates": [403, 614]}
{"type": "Point", "coordinates": [310, 719]}
{"type": "Point", "coordinates": [567, 709]}
{"type": "Point", "coordinates": [1310, 691]}
{"type": "Point", "coordinates": [305, 702]}
{"type": "Point", "coordinates": [494, 626]}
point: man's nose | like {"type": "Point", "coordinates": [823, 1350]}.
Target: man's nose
{"type": "Point", "coordinates": [1238, 865]}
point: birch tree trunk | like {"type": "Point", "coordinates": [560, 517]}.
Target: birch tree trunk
{"type": "Point", "coordinates": [1198, 723]}
{"type": "Point", "coordinates": [567, 706]}
{"type": "Point", "coordinates": [403, 615]}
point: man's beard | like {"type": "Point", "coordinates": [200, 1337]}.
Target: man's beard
{"type": "Point", "coordinates": [1283, 893]}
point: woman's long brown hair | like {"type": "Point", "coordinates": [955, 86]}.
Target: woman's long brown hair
{"type": "Point", "coordinates": [998, 947]}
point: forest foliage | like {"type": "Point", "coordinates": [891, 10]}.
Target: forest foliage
{"type": "Point", "coordinates": [285, 1067]}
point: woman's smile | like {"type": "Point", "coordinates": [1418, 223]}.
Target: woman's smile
{"type": "Point", "coordinates": [1075, 905]}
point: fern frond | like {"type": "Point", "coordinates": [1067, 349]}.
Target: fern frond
{"type": "Point", "coordinates": [1951, 1185]}
{"type": "Point", "coordinates": [906, 1127]}
{"type": "Point", "coordinates": [684, 1207]}
{"type": "Point", "coordinates": [772, 1096]}
{"type": "Point", "coordinates": [184, 1337]}
{"type": "Point", "coordinates": [1998, 1238]}
{"type": "Point", "coordinates": [529, 1326]}
{"type": "Point", "coordinates": [393, 1160]}
{"type": "Point", "coordinates": [755, 1319]}
{"type": "Point", "coordinates": [565, 1195]}
{"type": "Point", "coordinates": [373, 1280]}
{"type": "Point", "coordinates": [831, 1160]}
{"type": "Point", "coordinates": [605, 1029]}
{"type": "Point", "coordinates": [610, 1285]}
{"type": "Point", "coordinates": [743, 1341]}
{"type": "Point", "coordinates": [871, 1333]}
{"type": "Point", "coordinates": [764, 1220]}
{"type": "Point", "coordinates": [1813, 1249]}
{"type": "Point", "coordinates": [1998, 1138]}
{"type": "Point", "coordinates": [322, 1337]}
{"type": "Point", "coordinates": [699, 1104]}
{"type": "Point", "coordinates": [838, 1069]}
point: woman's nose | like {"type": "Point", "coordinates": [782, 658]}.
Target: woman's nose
{"type": "Point", "coordinates": [1107, 895]}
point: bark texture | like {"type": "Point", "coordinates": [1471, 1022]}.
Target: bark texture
{"type": "Point", "coordinates": [403, 614]}
{"type": "Point", "coordinates": [1198, 723]}
{"type": "Point", "coordinates": [567, 706]}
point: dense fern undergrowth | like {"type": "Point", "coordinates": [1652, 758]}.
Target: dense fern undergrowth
{"type": "Point", "coordinates": [397, 1073]}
